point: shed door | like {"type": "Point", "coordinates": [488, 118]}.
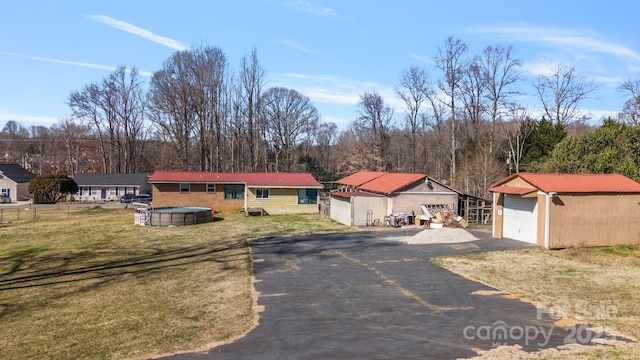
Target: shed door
{"type": "Point", "coordinates": [520, 218]}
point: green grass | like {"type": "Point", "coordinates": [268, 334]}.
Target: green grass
{"type": "Point", "coordinates": [91, 285]}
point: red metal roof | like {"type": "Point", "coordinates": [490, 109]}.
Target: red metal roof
{"type": "Point", "coordinates": [391, 182]}
{"type": "Point", "coordinates": [360, 178]}
{"type": "Point", "coordinates": [576, 183]}
{"type": "Point", "coordinates": [281, 179]}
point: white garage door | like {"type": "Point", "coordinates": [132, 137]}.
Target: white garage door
{"type": "Point", "coordinates": [520, 218]}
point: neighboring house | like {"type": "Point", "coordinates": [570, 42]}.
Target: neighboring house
{"type": "Point", "coordinates": [14, 181]}
{"type": "Point", "coordinates": [567, 210]}
{"type": "Point", "coordinates": [109, 187]}
{"type": "Point", "coordinates": [275, 193]}
{"type": "Point", "coordinates": [367, 197]}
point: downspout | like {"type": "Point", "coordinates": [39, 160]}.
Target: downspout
{"type": "Point", "coordinates": [494, 214]}
{"type": "Point", "coordinates": [547, 219]}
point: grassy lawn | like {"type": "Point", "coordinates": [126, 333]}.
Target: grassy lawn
{"type": "Point", "coordinates": [91, 285]}
{"type": "Point", "coordinates": [598, 286]}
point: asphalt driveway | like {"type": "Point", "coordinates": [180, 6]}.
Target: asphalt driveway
{"type": "Point", "coordinates": [364, 296]}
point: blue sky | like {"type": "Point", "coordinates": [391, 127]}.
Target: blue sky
{"type": "Point", "coordinates": [330, 51]}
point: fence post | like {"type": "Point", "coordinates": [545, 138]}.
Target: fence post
{"type": "Point", "coordinates": [34, 214]}
{"type": "Point", "coordinates": [1, 211]}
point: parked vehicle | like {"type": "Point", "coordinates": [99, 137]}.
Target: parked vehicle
{"type": "Point", "coordinates": [141, 198]}
{"type": "Point", "coordinates": [126, 198]}
{"type": "Point", "coordinates": [4, 198]}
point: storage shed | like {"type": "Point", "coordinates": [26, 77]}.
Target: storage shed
{"type": "Point", "coordinates": [368, 196]}
{"type": "Point", "coordinates": [567, 210]}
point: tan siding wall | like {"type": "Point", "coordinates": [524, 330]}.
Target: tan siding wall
{"type": "Point", "coordinates": [498, 208]}
{"type": "Point", "coordinates": [407, 202]}
{"type": "Point", "coordinates": [518, 182]}
{"type": "Point", "coordinates": [281, 201]}
{"type": "Point", "coordinates": [542, 211]}
{"type": "Point", "coordinates": [169, 195]}
{"type": "Point", "coordinates": [594, 220]}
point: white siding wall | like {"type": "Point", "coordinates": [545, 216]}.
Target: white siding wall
{"type": "Point", "coordinates": [341, 210]}
{"type": "Point", "coordinates": [361, 204]}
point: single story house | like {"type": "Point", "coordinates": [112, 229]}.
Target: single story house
{"type": "Point", "coordinates": [567, 210]}
{"type": "Point", "coordinates": [275, 193]}
{"type": "Point", "coordinates": [368, 197]}
{"type": "Point", "coordinates": [14, 181]}
{"type": "Point", "coordinates": [109, 187]}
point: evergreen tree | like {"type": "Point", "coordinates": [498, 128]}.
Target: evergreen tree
{"type": "Point", "coordinates": [540, 143]}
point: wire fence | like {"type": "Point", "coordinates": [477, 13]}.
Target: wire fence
{"type": "Point", "coordinates": [10, 215]}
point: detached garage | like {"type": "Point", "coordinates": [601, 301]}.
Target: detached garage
{"type": "Point", "coordinates": [567, 210]}
{"type": "Point", "coordinates": [367, 197]}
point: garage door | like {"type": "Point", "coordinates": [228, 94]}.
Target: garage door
{"type": "Point", "coordinates": [520, 218]}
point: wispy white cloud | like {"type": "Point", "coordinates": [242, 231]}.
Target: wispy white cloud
{"type": "Point", "coordinates": [312, 8]}
{"type": "Point", "coordinates": [295, 45]}
{"type": "Point", "coordinates": [421, 58]}
{"type": "Point", "coordinates": [560, 38]}
{"type": "Point", "coordinates": [540, 67]}
{"type": "Point", "coordinates": [71, 63]}
{"type": "Point", "coordinates": [327, 91]}
{"type": "Point", "coordinates": [136, 30]}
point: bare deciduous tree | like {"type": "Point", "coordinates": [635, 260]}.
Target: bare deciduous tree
{"type": "Point", "coordinates": [631, 110]}
{"type": "Point", "coordinates": [414, 90]}
{"type": "Point", "coordinates": [171, 105]}
{"type": "Point", "coordinates": [561, 92]}
{"type": "Point", "coordinates": [251, 81]}
{"type": "Point", "coordinates": [72, 133]}
{"type": "Point", "coordinates": [115, 109]}
{"type": "Point", "coordinates": [472, 94]}
{"type": "Point", "coordinates": [290, 117]}
{"type": "Point", "coordinates": [515, 132]}
{"type": "Point", "coordinates": [375, 122]}
{"type": "Point", "coordinates": [500, 70]}
{"type": "Point", "coordinates": [450, 61]}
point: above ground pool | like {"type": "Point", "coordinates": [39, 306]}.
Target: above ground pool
{"type": "Point", "coordinates": [179, 215]}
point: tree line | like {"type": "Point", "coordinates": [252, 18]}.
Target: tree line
{"type": "Point", "coordinates": [459, 121]}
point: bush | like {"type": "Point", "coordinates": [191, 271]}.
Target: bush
{"type": "Point", "coordinates": [51, 188]}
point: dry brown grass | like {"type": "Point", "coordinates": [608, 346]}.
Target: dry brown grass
{"type": "Point", "coordinates": [588, 285]}
{"type": "Point", "coordinates": [94, 286]}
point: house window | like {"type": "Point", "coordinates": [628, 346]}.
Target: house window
{"type": "Point", "coordinates": [234, 192]}
{"type": "Point", "coordinates": [262, 193]}
{"type": "Point", "coordinates": [211, 188]}
{"type": "Point", "coordinates": [185, 187]}
{"type": "Point", "coordinates": [307, 196]}
{"type": "Point", "coordinates": [5, 192]}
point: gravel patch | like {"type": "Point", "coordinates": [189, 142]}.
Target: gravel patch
{"type": "Point", "coordinates": [440, 236]}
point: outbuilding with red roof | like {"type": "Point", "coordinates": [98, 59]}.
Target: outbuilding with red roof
{"type": "Point", "coordinates": [368, 197]}
{"type": "Point", "coordinates": [275, 193]}
{"type": "Point", "coordinates": [567, 210]}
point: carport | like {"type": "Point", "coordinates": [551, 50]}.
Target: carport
{"type": "Point", "coordinates": [567, 210]}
